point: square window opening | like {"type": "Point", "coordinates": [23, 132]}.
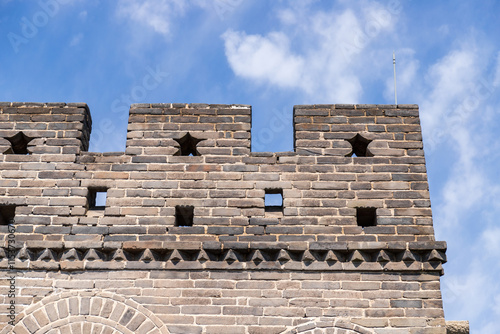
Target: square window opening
{"type": "Point", "coordinates": [366, 217]}
{"type": "Point", "coordinates": [184, 215]}
{"type": "Point", "coordinates": [273, 200]}
{"type": "Point", "coordinates": [96, 199]}
{"type": "Point", "coordinates": [7, 214]}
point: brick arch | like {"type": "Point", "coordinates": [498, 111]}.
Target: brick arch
{"type": "Point", "coordinates": [84, 312]}
{"type": "Point", "coordinates": [328, 326]}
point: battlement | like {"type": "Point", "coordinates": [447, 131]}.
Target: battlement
{"type": "Point", "coordinates": [363, 130]}
{"type": "Point", "coordinates": [358, 174]}
{"type": "Point", "coordinates": [158, 129]}
{"type": "Point", "coordinates": [44, 128]}
{"type": "Point", "coordinates": [340, 229]}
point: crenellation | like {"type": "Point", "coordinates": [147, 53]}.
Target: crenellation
{"type": "Point", "coordinates": [185, 222]}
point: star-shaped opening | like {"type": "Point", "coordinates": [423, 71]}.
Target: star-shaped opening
{"type": "Point", "coordinates": [19, 144]}
{"type": "Point", "coordinates": [359, 146]}
{"type": "Point", "coordinates": [188, 145]}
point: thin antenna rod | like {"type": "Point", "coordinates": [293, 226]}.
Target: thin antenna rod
{"type": "Point", "coordinates": [395, 91]}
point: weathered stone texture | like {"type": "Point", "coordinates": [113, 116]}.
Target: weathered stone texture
{"type": "Point", "coordinates": [457, 327]}
{"type": "Point", "coordinates": [306, 266]}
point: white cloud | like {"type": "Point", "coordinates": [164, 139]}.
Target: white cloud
{"type": "Point", "coordinates": [444, 29]}
{"type": "Point", "coordinates": [496, 81]}
{"type": "Point", "coordinates": [76, 39]}
{"type": "Point", "coordinates": [327, 55]}
{"type": "Point", "coordinates": [465, 292]}
{"type": "Point", "coordinates": [451, 79]}
{"type": "Point", "coordinates": [454, 111]}
{"type": "Point", "coordinates": [287, 16]}
{"type": "Point", "coordinates": [449, 113]}
{"type": "Point", "coordinates": [490, 328]}
{"type": "Point", "coordinates": [463, 191]}
{"type": "Point", "coordinates": [472, 292]}
{"type": "Point", "coordinates": [377, 17]}
{"type": "Point", "coordinates": [491, 241]}
{"type": "Point", "coordinates": [161, 15]}
{"type": "Point", "coordinates": [83, 15]}
{"type": "Point", "coordinates": [496, 307]}
{"type": "Point", "coordinates": [264, 58]}
{"type": "Point", "coordinates": [446, 116]}
{"type": "Point", "coordinates": [157, 14]}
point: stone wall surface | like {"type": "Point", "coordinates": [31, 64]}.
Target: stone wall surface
{"type": "Point", "coordinates": [457, 327]}
{"type": "Point", "coordinates": [186, 242]}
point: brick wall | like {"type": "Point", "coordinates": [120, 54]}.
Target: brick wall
{"type": "Point", "coordinates": [236, 302]}
{"type": "Point", "coordinates": [311, 264]}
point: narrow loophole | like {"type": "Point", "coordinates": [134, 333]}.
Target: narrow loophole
{"type": "Point", "coordinates": [366, 217]}
{"type": "Point", "coordinates": [96, 199]}
{"type": "Point", "coordinates": [273, 201]}
{"type": "Point", "coordinates": [184, 215]}
{"type": "Point", "coordinates": [7, 214]}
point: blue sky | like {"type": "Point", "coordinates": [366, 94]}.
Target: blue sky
{"type": "Point", "coordinates": [275, 54]}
